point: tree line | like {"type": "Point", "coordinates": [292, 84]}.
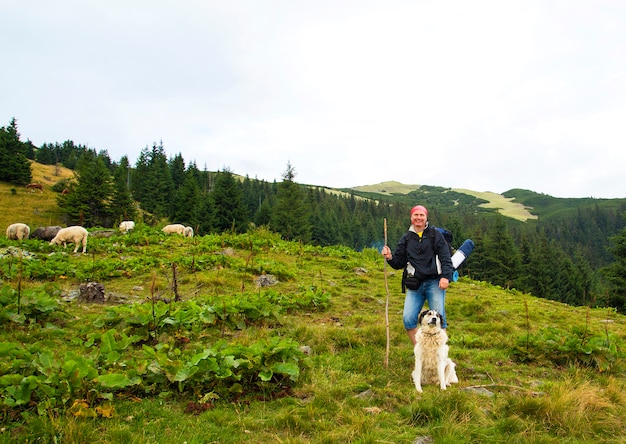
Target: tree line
{"type": "Point", "coordinates": [575, 259]}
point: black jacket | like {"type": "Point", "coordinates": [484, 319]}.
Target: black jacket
{"type": "Point", "coordinates": [422, 253]}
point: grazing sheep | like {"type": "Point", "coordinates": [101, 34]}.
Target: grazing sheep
{"type": "Point", "coordinates": [75, 234]}
{"type": "Point", "coordinates": [18, 231]}
{"type": "Point", "coordinates": [174, 229]}
{"type": "Point", "coordinates": [188, 232]}
{"type": "Point", "coordinates": [45, 233]}
{"type": "Point", "coordinates": [126, 226]}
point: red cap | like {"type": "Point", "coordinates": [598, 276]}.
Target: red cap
{"type": "Point", "coordinates": [419, 208]}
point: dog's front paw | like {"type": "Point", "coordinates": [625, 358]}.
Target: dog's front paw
{"type": "Point", "coordinates": [443, 386]}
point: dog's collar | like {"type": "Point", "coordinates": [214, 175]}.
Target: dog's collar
{"type": "Point", "coordinates": [430, 334]}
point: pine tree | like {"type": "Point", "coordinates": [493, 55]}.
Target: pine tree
{"type": "Point", "coordinates": [89, 202]}
{"type": "Point", "coordinates": [122, 204]}
{"type": "Point", "coordinates": [496, 258]}
{"type": "Point", "coordinates": [14, 163]}
{"type": "Point", "coordinates": [47, 154]}
{"type": "Point", "coordinates": [263, 215]}
{"type": "Point", "coordinates": [187, 202]}
{"type": "Point", "coordinates": [324, 227]}
{"type": "Point", "coordinates": [152, 182]}
{"type": "Point", "coordinates": [616, 272]}
{"type": "Point", "coordinates": [138, 183]}
{"type": "Point", "coordinates": [228, 209]}
{"type": "Point", "coordinates": [177, 170]}
{"type": "Point", "coordinates": [290, 216]}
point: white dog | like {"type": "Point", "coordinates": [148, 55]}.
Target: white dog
{"type": "Point", "coordinates": [432, 365]}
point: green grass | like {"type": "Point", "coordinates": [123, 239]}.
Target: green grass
{"type": "Point", "coordinates": [511, 389]}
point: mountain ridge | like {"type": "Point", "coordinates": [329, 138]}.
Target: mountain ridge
{"type": "Point", "coordinates": [504, 205]}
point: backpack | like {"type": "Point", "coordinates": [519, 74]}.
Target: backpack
{"type": "Point", "coordinates": [447, 235]}
{"type": "Point", "coordinates": [458, 255]}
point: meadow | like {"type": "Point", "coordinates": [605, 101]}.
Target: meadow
{"type": "Point", "coordinates": [249, 338]}
{"type": "Point", "coordinates": [35, 209]}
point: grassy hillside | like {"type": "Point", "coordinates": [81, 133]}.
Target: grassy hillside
{"type": "Point", "coordinates": [530, 370]}
{"type": "Point", "coordinates": [502, 204]}
{"type": "Point", "coordinates": [551, 207]}
{"type": "Point", "coordinates": [17, 204]}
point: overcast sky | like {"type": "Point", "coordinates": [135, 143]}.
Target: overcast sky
{"type": "Point", "coordinates": [483, 95]}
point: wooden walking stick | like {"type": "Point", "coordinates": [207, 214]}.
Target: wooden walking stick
{"type": "Point", "coordinates": [387, 303]}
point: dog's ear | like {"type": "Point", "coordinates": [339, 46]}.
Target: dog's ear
{"type": "Point", "coordinates": [421, 317]}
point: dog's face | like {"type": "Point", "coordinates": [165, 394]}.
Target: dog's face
{"type": "Point", "coordinates": [430, 319]}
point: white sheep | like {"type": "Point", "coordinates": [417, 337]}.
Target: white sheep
{"type": "Point", "coordinates": [174, 229]}
{"type": "Point", "coordinates": [75, 234]}
{"type": "Point", "coordinates": [126, 226]}
{"type": "Point", "coordinates": [18, 231]}
{"type": "Point", "coordinates": [188, 232]}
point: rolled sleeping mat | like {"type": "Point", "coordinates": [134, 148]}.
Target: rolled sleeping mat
{"type": "Point", "coordinates": [458, 258]}
{"type": "Point", "coordinates": [462, 253]}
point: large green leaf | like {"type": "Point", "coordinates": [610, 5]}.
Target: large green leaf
{"type": "Point", "coordinates": [117, 380]}
{"type": "Point", "coordinates": [287, 368]}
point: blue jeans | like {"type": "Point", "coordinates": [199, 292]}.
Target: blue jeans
{"type": "Point", "coordinates": [414, 302]}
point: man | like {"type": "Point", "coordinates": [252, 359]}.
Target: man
{"type": "Point", "coordinates": [417, 252]}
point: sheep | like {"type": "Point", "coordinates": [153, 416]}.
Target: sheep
{"type": "Point", "coordinates": [75, 234]}
{"type": "Point", "coordinates": [188, 232]}
{"type": "Point", "coordinates": [46, 233]}
{"type": "Point", "coordinates": [18, 231]}
{"type": "Point", "coordinates": [174, 229]}
{"type": "Point", "coordinates": [126, 226]}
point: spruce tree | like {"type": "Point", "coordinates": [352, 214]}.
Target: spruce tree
{"type": "Point", "coordinates": [138, 183]}
{"type": "Point", "coordinates": [496, 259]}
{"type": "Point", "coordinates": [152, 181]}
{"type": "Point", "coordinates": [291, 217]}
{"type": "Point", "coordinates": [228, 209]}
{"type": "Point", "coordinates": [122, 204]}
{"type": "Point", "coordinates": [177, 170]}
{"type": "Point", "coordinates": [616, 272]}
{"type": "Point", "coordinates": [263, 215]}
{"type": "Point", "coordinates": [47, 154]}
{"type": "Point", "coordinates": [14, 163]}
{"type": "Point", "coordinates": [187, 202]}
{"type": "Point", "coordinates": [88, 203]}
{"type": "Point", "coordinates": [324, 227]}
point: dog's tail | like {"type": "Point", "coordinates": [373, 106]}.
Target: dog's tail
{"type": "Point", "coordinates": [451, 377]}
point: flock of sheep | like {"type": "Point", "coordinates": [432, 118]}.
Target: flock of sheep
{"type": "Point", "coordinates": [77, 234]}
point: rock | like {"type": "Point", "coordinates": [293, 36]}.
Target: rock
{"type": "Point", "coordinates": [92, 292]}
{"type": "Point", "coordinates": [480, 391]}
{"type": "Point", "coordinates": [102, 233]}
{"type": "Point", "coordinates": [266, 280]}
{"type": "Point", "coordinates": [365, 395]}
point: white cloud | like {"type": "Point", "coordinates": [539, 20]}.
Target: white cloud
{"type": "Point", "coordinates": [486, 95]}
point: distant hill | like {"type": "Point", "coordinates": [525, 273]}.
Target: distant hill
{"type": "Point", "coordinates": [17, 204]}
{"type": "Point", "coordinates": [498, 202]}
